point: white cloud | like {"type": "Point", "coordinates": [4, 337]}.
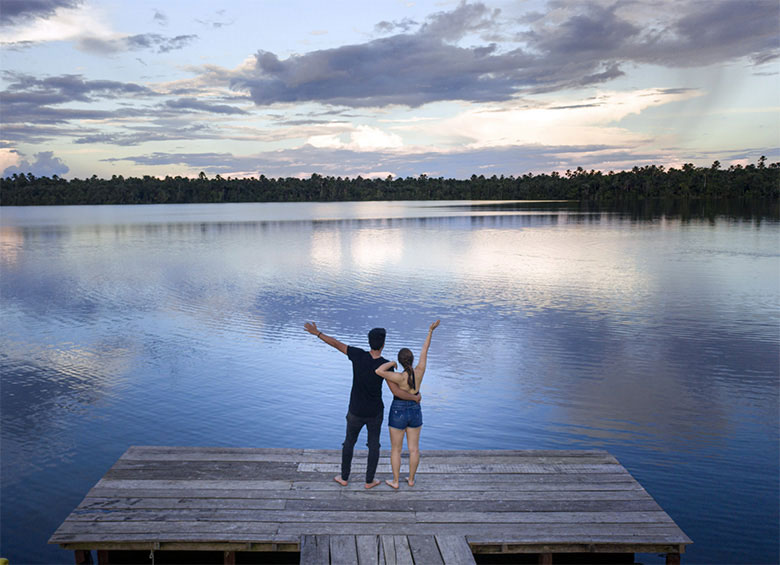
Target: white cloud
{"type": "Point", "coordinates": [8, 158]}
{"type": "Point", "coordinates": [586, 121]}
{"type": "Point", "coordinates": [66, 24]}
{"type": "Point", "coordinates": [362, 138]}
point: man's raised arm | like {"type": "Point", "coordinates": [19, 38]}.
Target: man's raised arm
{"type": "Point", "coordinates": [311, 327]}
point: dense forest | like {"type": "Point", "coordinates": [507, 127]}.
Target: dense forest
{"type": "Point", "coordinates": [752, 181]}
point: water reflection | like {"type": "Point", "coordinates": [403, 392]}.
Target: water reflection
{"type": "Point", "coordinates": [650, 331]}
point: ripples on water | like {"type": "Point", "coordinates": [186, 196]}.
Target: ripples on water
{"type": "Point", "coordinates": [649, 332]}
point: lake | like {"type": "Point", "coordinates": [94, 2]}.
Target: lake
{"type": "Point", "coordinates": [652, 332]}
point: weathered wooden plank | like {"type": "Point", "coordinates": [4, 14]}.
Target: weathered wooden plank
{"type": "Point", "coordinates": [441, 483]}
{"type": "Point", "coordinates": [396, 550]}
{"type": "Point", "coordinates": [158, 527]}
{"type": "Point", "coordinates": [203, 470]}
{"type": "Point", "coordinates": [368, 549]}
{"type": "Point", "coordinates": [455, 550]}
{"type": "Point", "coordinates": [454, 504]}
{"type": "Point", "coordinates": [544, 517]}
{"type": "Point", "coordinates": [148, 503]}
{"type": "Point", "coordinates": [343, 549]}
{"type": "Point", "coordinates": [635, 492]}
{"type": "Point", "coordinates": [202, 515]}
{"type": "Point", "coordinates": [511, 532]}
{"type": "Point", "coordinates": [388, 549]}
{"type": "Point", "coordinates": [425, 550]}
{"type": "Point", "coordinates": [475, 468]}
{"type": "Point", "coordinates": [315, 550]}
{"type": "Point", "coordinates": [181, 541]}
{"type": "Point", "coordinates": [193, 484]}
{"type": "Point", "coordinates": [505, 478]}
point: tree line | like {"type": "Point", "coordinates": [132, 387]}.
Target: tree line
{"type": "Point", "coordinates": [760, 180]}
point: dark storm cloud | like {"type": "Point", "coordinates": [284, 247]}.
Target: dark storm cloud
{"type": "Point", "coordinates": [715, 31]}
{"type": "Point", "coordinates": [402, 69]}
{"type": "Point", "coordinates": [45, 164]}
{"type": "Point", "coordinates": [466, 18]}
{"type": "Point", "coordinates": [137, 135]}
{"type": "Point", "coordinates": [13, 11]}
{"type": "Point", "coordinates": [389, 27]}
{"type": "Point", "coordinates": [66, 88]}
{"type": "Point", "coordinates": [587, 43]}
{"type": "Point", "coordinates": [35, 101]}
{"type": "Point", "coordinates": [200, 105]}
{"type": "Point", "coordinates": [151, 41]}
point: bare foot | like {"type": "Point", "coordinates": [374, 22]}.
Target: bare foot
{"type": "Point", "coordinates": [340, 481]}
{"type": "Point", "coordinates": [410, 481]}
{"type": "Point", "coordinates": [372, 484]}
{"type": "Point", "coordinates": [393, 484]}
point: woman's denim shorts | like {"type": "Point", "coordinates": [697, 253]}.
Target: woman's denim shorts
{"type": "Point", "coordinates": [405, 414]}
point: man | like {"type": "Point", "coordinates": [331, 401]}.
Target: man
{"type": "Point", "coordinates": [365, 400]}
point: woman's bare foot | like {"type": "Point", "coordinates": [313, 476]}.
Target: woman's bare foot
{"type": "Point", "coordinates": [393, 484]}
{"type": "Point", "coordinates": [340, 481]}
{"type": "Point", "coordinates": [373, 483]}
{"type": "Point", "coordinates": [410, 481]}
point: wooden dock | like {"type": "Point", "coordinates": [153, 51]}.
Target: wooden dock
{"type": "Point", "coordinates": [236, 500]}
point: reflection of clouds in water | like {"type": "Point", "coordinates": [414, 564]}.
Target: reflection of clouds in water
{"type": "Point", "coordinates": [11, 241]}
{"type": "Point", "coordinates": [372, 249]}
{"type": "Point", "coordinates": [326, 249]}
{"type": "Point", "coordinates": [535, 269]}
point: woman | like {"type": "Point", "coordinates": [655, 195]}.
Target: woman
{"type": "Point", "coordinates": [406, 415]}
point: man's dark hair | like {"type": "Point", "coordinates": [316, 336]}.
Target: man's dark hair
{"type": "Point", "coordinates": [376, 338]}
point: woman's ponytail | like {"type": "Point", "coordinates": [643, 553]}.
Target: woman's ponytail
{"type": "Point", "coordinates": [406, 359]}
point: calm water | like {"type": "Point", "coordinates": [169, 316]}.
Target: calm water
{"type": "Point", "coordinates": [654, 334]}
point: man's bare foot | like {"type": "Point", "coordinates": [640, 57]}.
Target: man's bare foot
{"type": "Point", "coordinates": [410, 481]}
{"type": "Point", "coordinates": [340, 481]}
{"type": "Point", "coordinates": [393, 484]}
{"type": "Point", "coordinates": [372, 484]}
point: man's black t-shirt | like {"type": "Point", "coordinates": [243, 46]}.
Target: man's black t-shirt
{"type": "Point", "coordinates": [365, 400]}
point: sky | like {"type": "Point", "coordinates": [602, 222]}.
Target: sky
{"type": "Point", "coordinates": [289, 88]}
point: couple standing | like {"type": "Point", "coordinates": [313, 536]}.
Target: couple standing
{"type": "Point", "coordinates": [369, 369]}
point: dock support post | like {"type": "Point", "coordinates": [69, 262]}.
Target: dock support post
{"type": "Point", "coordinates": [103, 557]}
{"type": "Point", "coordinates": [230, 558]}
{"type": "Point", "coordinates": [672, 559]}
{"type": "Point", "coordinates": [83, 557]}
{"type": "Point", "coordinates": [545, 559]}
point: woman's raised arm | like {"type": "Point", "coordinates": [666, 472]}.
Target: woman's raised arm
{"type": "Point", "coordinates": [419, 370]}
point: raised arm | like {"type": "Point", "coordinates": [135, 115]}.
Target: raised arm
{"type": "Point", "coordinates": [311, 327]}
{"type": "Point", "coordinates": [419, 370]}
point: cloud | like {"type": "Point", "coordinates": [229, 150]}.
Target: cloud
{"type": "Point", "coordinates": [352, 163]}
{"type": "Point", "coordinates": [389, 27]}
{"type": "Point", "coordinates": [362, 138]}
{"type": "Point", "coordinates": [15, 11]}
{"type": "Point", "coordinates": [137, 135]}
{"type": "Point", "coordinates": [151, 41]}
{"type": "Point", "coordinates": [200, 105]}
{"type": "Point", "coordinates": [160, 18]}
{"type": "Point", "coordinates": [570, 46]}
{"type": "Point", "coordinates": [402, 69]}
{"type": "Point", "coordinates": [45, 165]}
{"type": "Point", "coordinates": [466, 18]}
{"type": "Point", "coordinates": [29, 103]}
{"type": "Point", "coordinates": [66, 88]}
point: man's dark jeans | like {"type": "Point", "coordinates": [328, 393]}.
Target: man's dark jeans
{"type": "Point", "coordinates": [354, 425]}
